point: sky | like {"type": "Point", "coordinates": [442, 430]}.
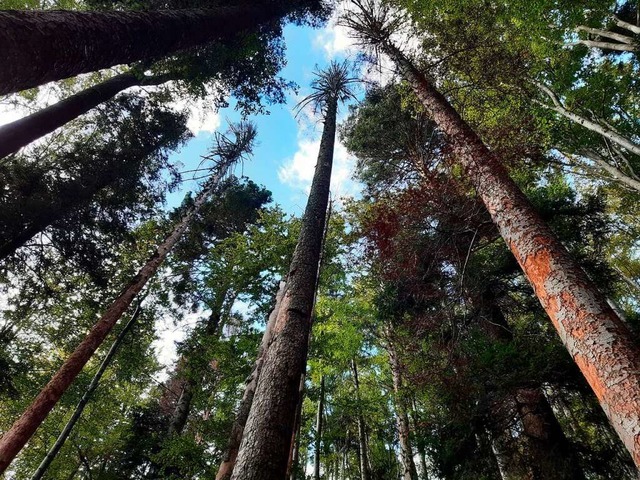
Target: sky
{"type": "Point", "coordinates": [285, 156]}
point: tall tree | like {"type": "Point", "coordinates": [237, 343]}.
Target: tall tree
{"type": "Point", "coordinates": [596, 338]}
{"type": "Point", "coordinates": [66, 431]}
{"type": "Point", "coordinates": [34, 41]}
{"type": "Point", "coordinates": [116, 165]}
{"type": "Point", "coordinates": [229, 152]}
{"type": "Point", "coordinates": [264, 450]}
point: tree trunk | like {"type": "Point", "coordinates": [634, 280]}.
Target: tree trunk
{"type": "Point", "coordinates": [316, 456]}
{"type": "Point", "coordinates": [294, 455]}
{"type": "Point", "coordinates": [23, 429]}
{"type": "Point", "coordinates": [72, 195]}
{"type": "Point", "coordinates": [596, 338]}
{"type": "Point", "coordinates": [231, 454]}
{"type": "Point", "coordinates": [43, 46]}
{"type": "Point", "coordinates": [409, 471]}
{"type": "Point", "coordinates": [265, 443]}
{"type": "Point", "coordinates": [548, 451]}
{"type": "Point", "coordinates": [66, 431]}
{"type": "Point", "coordinates": [15, 135]}
{"type": "Point", "coordinates": [362, 431]}
{"type": "Point", "coordinates": [190, 381]}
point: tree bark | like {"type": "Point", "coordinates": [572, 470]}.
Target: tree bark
{"type": "Point", "coordinates": [265, 443]}
{"type": "Point", "coordinates": [23, 429]}
{"type": "Point", "coordinates": [294, 455]}
{"type": "Point", "coordinates": [362, 431]}
{"type": "Point", "coordinates": [548, 452]}
{"type": "Point", "coordinates": [596, 338]}
{"type": "Point", "coordinates": [319, 414]}
{"type": "Point", "coordinates": [15, 135]}
{"type": "Point", "coordinates": [66, 431]}
{"type": "Point", "coordinates": [231, 454]}
{"type": "Point", "coordinates": [409, 471]}
{"type": "Point", "coordinates": [43, 46]}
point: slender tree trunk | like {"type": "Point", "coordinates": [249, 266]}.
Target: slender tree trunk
{"type": "Point", "coordinates": [319, 414]}
{"type": "Point", "coordinates": [265, 443]}
{"type": "Point", "coordinates": [419, 444]}
{"type": "Point", "coordinates": [362, 431]}
{"type": "Point", "coordinates": [71, 196]}
{"type": "Point", "coordinates": [182, 409]}
{"type": "Point", "coordinates": [66, 431]}
{"type": "Point", "coordinates": [23, 429]}
{"type": "Point", "coordinates": [231, 454]}
{"type": "Point", "coordinates": [294, 455]}
{"type": "Point", "coordinates": [15, 135]}
{"type": "Point", "coordinates": [596, 338]}
{"type": "Point", "coordinates": [605, 131]}
{"type": "Point", "coordinates": [43, 46]}
{"type": "Point", "coordinates": [409, 471]}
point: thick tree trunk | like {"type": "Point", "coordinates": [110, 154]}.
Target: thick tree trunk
{"type": "Point", "coordinates": [43, 46]}
{"type": "Point", "coordinates": [22, 430]}
{"type": "Point", "coordinates": [547, 450]}
{"type": "Point", "coordinates": [409, 471]}
{"type": "Point", "coordinates": [265, 443]}
{"type": "Point", "coordinates": [362, 431]}
{"type": "Point", "coordinates": [596, 338]}
{"type": "Point", "coordinates": [231, 454]}
{"type": "Point", "coordinates": [181, 412]}
{"type": "Point", "coordinates": [15, 135]}
{"type": "Point", "coordinates": [66, 431]}
{"type": "Point", "coordinates": [318, 445]}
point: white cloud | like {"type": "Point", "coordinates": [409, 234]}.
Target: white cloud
{"type": "Point", "coordinates": [297, 171]}
{"type": "Point", "coordinates": [202, 117]}
{"type": "Point", "coordinates": [335, 39]}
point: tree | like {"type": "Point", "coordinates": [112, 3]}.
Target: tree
{"type": "Point", "coordinates": [34, 40]}
{"type": "Point", "coordinates": [55, 449]}
{"type": "Point", "coordinates": [596, 338]}
{"type": "Point", "coordinates": [264, 450]}
{"type": "Point", "coordinates": [21, 431]}
{"type": "Point", "coordinates": [115, 165]}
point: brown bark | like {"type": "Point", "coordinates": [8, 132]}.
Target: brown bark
{"type": "Point", "coordinates": [231, 454]}
{"type": "Point", "coordinates": [23, 429]}
{"type": "Point", "coordinates": [319, 415]}
{"type": "Point", "coordinates": [294, 454]}
{"type": "Point", "coordinates": [365, 474]}
{"type": "Point", "coordinates": [77, 413]}
{"type": "Point", "coordinates": [15, 135]}
{"type": "Point", "coordinates": [547, 450]}
{"type": "Point", "coordinates": [43, 46]}
{"type": "Point", "coordinates": [409, 471]}
{"type": "Point", "coordinates": [596, 338]}
{"type": "Point", "coordinates": [265, 443]}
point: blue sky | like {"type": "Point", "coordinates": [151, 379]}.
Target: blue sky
{"type": "Point", "coordinates": [286, 149]}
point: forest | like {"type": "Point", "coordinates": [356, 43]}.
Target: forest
{"type": "Point", "coordinates": [450, 291]}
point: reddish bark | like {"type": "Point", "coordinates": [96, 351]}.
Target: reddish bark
{"type": "Point", "coordinates": [23, 429]}
{"type": "Point", "coordinates": [595, 337]}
